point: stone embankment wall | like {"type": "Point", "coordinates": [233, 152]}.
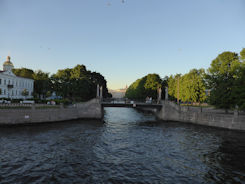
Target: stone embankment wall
{"type": "Point", "coordinates": [202, 116]}
{"type": "Point", "coordinates": [87, 110]}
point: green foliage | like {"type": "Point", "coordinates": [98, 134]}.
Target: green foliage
{"type": "Point", "coordinates": [23, 72]}
{"type": "Point", "coordinates": [242, 55]}
{"type": "Point", "coordinates": [173, 86]}
{"type": "Point", "coordinates": [225, 78]}
{"type": "Point", "coordinates": [78, 83]}
{"type": "Point", "coordinates": [238, 90]}
{"type": "Point", "coordinates": [42, 84]}
{"type": "Point", "coordinates": [189, 87]}
{"type": "Point", "coordinates": [225, 64]}
{"type": "Point", "coordinates": [146, 86]}
{"type": "Point", "coordinates": [75, 84]}
{"type": "Point", "coordinates": [41, 80]}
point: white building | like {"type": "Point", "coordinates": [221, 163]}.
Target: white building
{"type": "Point", "coordinates": [12, 86]}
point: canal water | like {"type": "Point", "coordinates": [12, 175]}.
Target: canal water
{"type": "Point", "coordinates": [129, 147]}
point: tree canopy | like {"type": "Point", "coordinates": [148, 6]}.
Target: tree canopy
{"type": "Point", "coordinates": [146, 86]}
{"type": "Point", "coordinates": [42, 84]}
{"type": "Point", "coordinates": [78, 83]}
{"type": "Point", "coordinates": [23, 72]}
{"type": "Point", "coordinates": [189, 87]}
{"type": "Point", "coordinates": [242, 54]}
{"type": "Point", "coordinates": [225, 79]}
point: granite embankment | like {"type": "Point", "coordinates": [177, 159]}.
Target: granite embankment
{"type": "Point", "coordinates": [38, 114]}
{"type": "Point", "coordinates": [202, 116]}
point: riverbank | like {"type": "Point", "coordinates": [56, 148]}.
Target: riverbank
{"type": "Point", "coordinates": [130, 147]}
{"type": "Point", "coordinates": [173, 112]}
{"type": "Point", "coordinates": [35, 114]}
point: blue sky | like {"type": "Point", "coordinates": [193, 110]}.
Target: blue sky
{"type": "Point", "coordinates": [122, 41]}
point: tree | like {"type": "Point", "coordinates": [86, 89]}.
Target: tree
{"type": "Point", "coordinates": [97, 78]}
{"type": "Point", "coordinates": [242, 55]}
{"type": "Point", "coordinates": [224, 70]}
{"type": "Point", "coordinates": [238, 90]}
{"type": "Point", "coordinates": [146, 86]}
{"type": "Point", "coordinates": [23, 72]}
{"type": "Point", "coordinates": [42, 84]}
{"type": "Point", "coordinates": [172, 86]}
{"type": "Point", "coordinates": [78, 83]}
{"type": "Point", "coordinates": [61, 82]}
{"type": "Point", "coordinates": [152, 83]}
{"type": "Point", "coordinates": [193, 87]}
{"type": "Point", "coordinates": [189, 87]}
{"type": "Point", "coordinates": [164, 85]}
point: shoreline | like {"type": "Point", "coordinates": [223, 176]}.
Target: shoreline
{"type": "Point", "coordinates": [87, 110]}
{"type": "Point", "coordinates": [173, 112]}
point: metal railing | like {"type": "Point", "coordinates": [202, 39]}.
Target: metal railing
{"type": "Point", "coordinates": [127, 101]}
{"type": "Point", "coordinates": [27, 106]}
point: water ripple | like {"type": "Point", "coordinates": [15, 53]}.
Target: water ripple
{"type": "Point", "coordinates": [130, 147]}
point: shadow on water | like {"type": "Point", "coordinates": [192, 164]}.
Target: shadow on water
{"type": "Point", "coordinates": [44, 127]}
{"type": "Point", "coordinates": [130, 147]}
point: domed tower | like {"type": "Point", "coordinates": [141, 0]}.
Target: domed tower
{"type": "Point", "coordinates": [8, 65]}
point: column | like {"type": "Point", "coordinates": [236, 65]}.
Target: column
{"type": "Point", "coordinates": [98, 91]}
{"type": "Point", "coordinates": [159, 95]}
{"type": "Point", "coordinates": [101, 92]}
{"type": "Point", "coordinates": [166, 93]}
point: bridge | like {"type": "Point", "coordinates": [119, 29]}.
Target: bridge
{"type": "Point", "coordinates": [130, 104]}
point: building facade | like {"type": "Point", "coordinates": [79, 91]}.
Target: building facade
{"type": "Point", "coordinates": [12, 86]}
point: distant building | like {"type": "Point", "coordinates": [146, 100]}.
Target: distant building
{"type": "Point", "coordinates": [12, 86]}
{"type": "Point", "coordinates": [118, 93]}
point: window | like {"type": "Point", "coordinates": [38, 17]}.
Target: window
{"type": "Point", "coordinates": [0, 81]}
{"type": "Point", "coordinates": [0, 91]}
{"type": "Point", "coordinates": [4, 92]}
{"type": "Point", "coordinates": [4, 82]}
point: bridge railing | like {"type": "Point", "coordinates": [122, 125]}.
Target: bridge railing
{"type": "Point", "coordinates": [127, 101]}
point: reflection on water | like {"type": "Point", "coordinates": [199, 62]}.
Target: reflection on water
{"type": "Point", "coordinates": [129, 147]}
